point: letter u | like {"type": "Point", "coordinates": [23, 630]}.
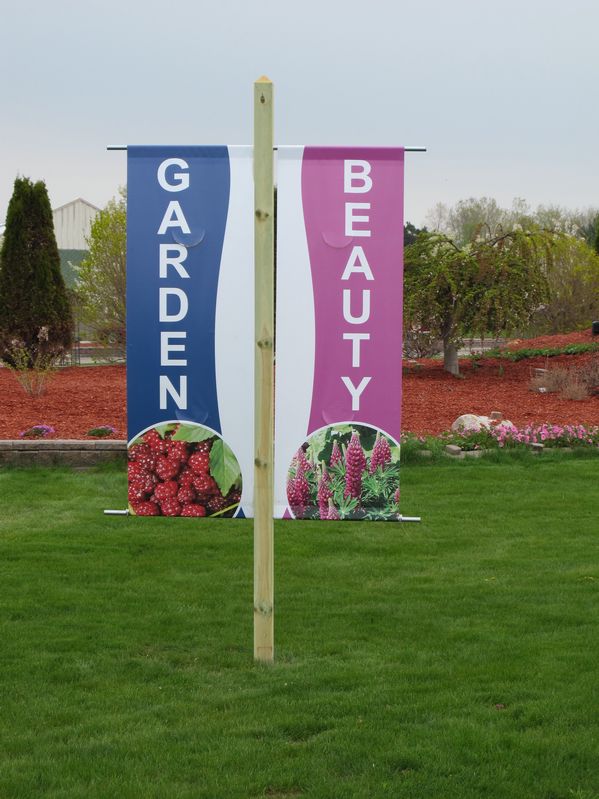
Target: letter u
{"type": "Point", "coordinates": [365, 313]}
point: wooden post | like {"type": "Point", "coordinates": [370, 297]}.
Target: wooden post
{"type": "Point", "coordinates": [264, 371]}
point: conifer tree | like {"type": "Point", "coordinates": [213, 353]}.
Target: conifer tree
{"type": "Point", "coordinates": [35, 313]}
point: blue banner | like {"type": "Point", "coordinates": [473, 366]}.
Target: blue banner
{"type": "Point", "coordinates": [189, 332]}
{"type": "Point", "coordinates": [176, 215]}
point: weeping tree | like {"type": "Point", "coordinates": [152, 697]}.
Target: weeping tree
{"type": "Point", "coordinates": [489, 286]}
{"type": "Point", "coordinates": [35, 314]}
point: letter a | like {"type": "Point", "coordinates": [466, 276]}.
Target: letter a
{"type": "Point", "coordinates": [357, 265]}
{"type": "Point", "coordinates": [173, 217]}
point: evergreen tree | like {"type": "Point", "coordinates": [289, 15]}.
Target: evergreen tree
{"type": "Point", "coordinates": [35, 313]}
{"type": "Point", "coordinates": [410, 233]}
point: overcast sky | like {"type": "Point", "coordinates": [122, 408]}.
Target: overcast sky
{"type": "Point", "coordinates": [504, 94]}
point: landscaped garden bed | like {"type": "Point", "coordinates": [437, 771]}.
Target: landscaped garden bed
{"type": "Point", "coordinates": [78, 399]}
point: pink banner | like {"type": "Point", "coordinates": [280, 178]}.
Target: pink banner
{"type": "Point", "coordinates": [339, 333]}
{"type": "Point", "coordinates": [353, 213]}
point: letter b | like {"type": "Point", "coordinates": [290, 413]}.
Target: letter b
{"type": "Point", "coordinates": [356, 172]}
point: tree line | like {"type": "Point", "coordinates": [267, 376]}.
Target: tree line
{"type": "Point", "coordinates": [475, 269]}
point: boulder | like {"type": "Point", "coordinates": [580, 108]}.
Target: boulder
{"type": "Point", "coordinates": [470, 422]}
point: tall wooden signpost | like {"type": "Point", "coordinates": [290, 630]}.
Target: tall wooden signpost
{"type": "Point", "coordinates": [319, 217]}
{"type": "Point", "coordinates": [264, 371]}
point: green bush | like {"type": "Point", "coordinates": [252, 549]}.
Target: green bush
{"type": "Point", "coordinates": [35, 313]}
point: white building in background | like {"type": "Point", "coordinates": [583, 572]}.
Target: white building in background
{"type": "Point", "coordinates": [72, 224]}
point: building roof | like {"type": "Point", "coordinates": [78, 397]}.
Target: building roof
{"type": "Point", "coordinates": [77, 200]}
{"type": "Point", "coordinates": [73, 202]}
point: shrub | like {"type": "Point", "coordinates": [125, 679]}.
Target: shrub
{"type": "Point", "coordinates": [575, 390]}
{"type": "Point", "coordinates": [37, 431]}
{"type": "Point", "coordinates": [552, 380]}
{"type": "Point", "coordinates": [33, 297]}
{"type": "Point", "coordinates": [576, 383]}
{"type": "Point", "coordinates": [418, 343]}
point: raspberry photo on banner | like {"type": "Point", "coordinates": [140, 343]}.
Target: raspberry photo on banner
{"type": "Point", "coordinates": [182, 469]}
{"type": "Point", "coordinates": [345, 471]}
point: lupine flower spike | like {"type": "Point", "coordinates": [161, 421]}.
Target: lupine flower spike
{"type": "Point", "coordinates": [355, 463]}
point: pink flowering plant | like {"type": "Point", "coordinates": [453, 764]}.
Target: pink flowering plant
{"type": "Point", "coordinates": [345, 471]}
{"type": "Point", "coordinates": [550, 435]}
{"type": "Point", "coordinates": [101, 431]}
{"type": "Point", "coordinates": [37, 431]}
{"type": "Point", "coordinates": [506, 435]}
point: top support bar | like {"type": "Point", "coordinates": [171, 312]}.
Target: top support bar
{"type": "Point", "coordinates": [279, 147]}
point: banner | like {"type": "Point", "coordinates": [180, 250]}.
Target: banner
{"type": "Point", "coordinates": [190, 331]}
{"type": "Point", "coordinates": [339, 332]}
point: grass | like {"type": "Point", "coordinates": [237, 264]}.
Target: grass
{"type": "Point", "coordinates": [455, 658]}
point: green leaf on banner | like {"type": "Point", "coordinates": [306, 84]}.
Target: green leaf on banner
{"type": "Point", "coordinates": [223, 466]}
{"type": "Point", "coordinates": [163, 429]}
{"type": "Point", "coordinates": [317, 443]}
{"type": "Point", "coordinates": [192, 432]}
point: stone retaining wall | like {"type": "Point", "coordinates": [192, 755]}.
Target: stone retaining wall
{"type": "Point", "coordinates": [61, 452]}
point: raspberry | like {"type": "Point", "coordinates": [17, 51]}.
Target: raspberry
{"type": "Point", "coordinates": [199, 462]}
{"type": "Point", "coordinates": [205, 485]}
{"type": "Point", "coordinates": [144, 482]}
{"type": "Point", "coordinates": [166, 490]}
{"type": "Point", "coordinates": [216, 504]}
{"type": "Point", "coordinates": [355, 463]}
{"type": "Point", "coordinates": [148, 462]}
{"type": "Point", "coordinates": [135, 470]}
{"type": "Point", "coordinates": [170, 507]}
{"type": "Point", "coordinates": [137, 451]}
{"type": "Point", "coordinates": [381, 453]}
{"type": "Point", "coordinates": [146, 509]}
{"type": "Point", "coordinates": [155, 442]}
{"type": "Point", "coordinates": [142, 455]}
{"type": "Point", "coordinates": [135, 494]}
{"type": "Point", "coordinates": [186, 495]}
{"type": "Point", "coordinates": [166, 469]}
{"type": "Point", "coordinates": [234, 496]}
{"type": "Point", "coordinates": [204, 446]}
{"type": "Point", "coordinates": [176, 451]}
{"type": "Point", "coordinates": [193, 510]}
{"type": "Point", "coordinates": [186, 477]}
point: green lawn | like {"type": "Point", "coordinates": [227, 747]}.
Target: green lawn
{"type": "Point", "coordinates": [453, 659]}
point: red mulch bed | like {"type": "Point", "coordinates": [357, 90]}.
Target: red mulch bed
{"type": "Point", "coordinates": [556, 340]}
{"type": "Point", "coordinates": [79, 398]}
